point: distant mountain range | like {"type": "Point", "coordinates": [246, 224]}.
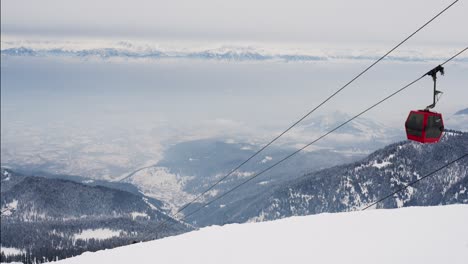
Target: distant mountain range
{"type": "Point", "coordinates": [43, 213]}
{"type": "Point", "coordinates": [462, 112]}
{"type": "Point", "coordinates": [457, 121]}
{"type": "Point", "coordinates": [231, 53]}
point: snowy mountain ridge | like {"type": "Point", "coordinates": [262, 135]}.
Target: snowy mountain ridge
{"type": "Point", "coordinates": [45, 218]}
{"type": "Point", "coordinates": [219, 52]}
{"type": "Point", "coordinates": [352, 186]}
{"type": "Point", "coordinates": [462, 112]}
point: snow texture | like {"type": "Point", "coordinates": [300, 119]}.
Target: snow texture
{"type": "Point", "coordinates": [407, 235]}
{"type": "Point", "coordinates": [10, 208]}
{"type": "Point", "coordinates": [99, 234]}
{"type": "Point", "coordinates": [11, 251]}
{"type": "Point", "coordinates": [266, 159]}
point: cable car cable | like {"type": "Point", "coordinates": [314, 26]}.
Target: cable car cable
{"type": "Point", "coordinates": [416, 181]}
{"type": "Point", "coordinates": [297, 151]}
{"type": "Point", "coordinates": [311, 111]}
{"type": "Point", "coordinates": [319, 138]}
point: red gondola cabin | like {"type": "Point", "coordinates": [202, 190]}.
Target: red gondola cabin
{"type": "Point", "coordinates": [424, 126]}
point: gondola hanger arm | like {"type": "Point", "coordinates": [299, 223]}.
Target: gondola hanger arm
{"type": "Point", "coordinates": [433, 73]}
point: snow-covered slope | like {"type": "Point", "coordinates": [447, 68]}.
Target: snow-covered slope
{"type": "Point", "coordinates": [407, 235]}
{"type": "Point", "coordinates": [351, 186]}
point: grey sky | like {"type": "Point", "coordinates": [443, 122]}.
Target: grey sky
{"type": "Point", "coordinates": [260, 20]}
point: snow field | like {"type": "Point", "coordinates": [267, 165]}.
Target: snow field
{"type": "Point", "coordinates": [408, 235]}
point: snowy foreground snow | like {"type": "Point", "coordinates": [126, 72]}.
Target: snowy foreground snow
{"type": "Point", "coordinates": [407, 235]}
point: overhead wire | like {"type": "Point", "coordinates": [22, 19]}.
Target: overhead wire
{"type": "Point", "coordinates": [297, 122]}
{"type": "Point", "coordinates": [310, 112]}
{"type": "Point", "coordinates": [322, 136]}
{"type": "Point", "coordinates": [415, 181]}
{"type": "Point", "coordinates": [314, 141]}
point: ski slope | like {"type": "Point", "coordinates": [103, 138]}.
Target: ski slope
{"type": "Point", "coordinates": [407, 235]}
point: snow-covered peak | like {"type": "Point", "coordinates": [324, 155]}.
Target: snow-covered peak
{"type": "Point", "coordinates": [462, 112]}
{"type": "Point", "coordinates": [108, 49]}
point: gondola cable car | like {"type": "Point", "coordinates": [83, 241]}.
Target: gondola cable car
{"type": "Point", "coordinates": [426, 126]}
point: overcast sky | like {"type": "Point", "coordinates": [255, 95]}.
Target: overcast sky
{"type": "Point", "coordinates": [241, 20]}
